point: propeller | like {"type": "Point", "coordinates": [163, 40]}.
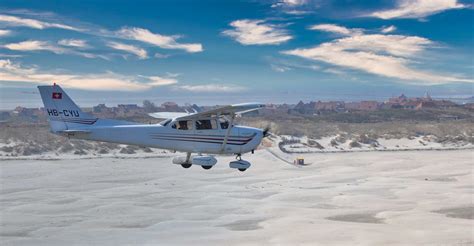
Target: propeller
{"type": "Point", "coordinates": [266, 131]}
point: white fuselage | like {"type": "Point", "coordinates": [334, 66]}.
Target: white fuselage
{"type": "Point", "coordinates": [240, 139]}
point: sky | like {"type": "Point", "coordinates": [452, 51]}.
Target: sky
{"type": "Point", "coordinates": [220, 52]}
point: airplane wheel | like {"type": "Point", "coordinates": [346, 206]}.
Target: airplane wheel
{"type": "Point", "coordinates": [242, 169]}
{"type": "Point", "coordinates": [206, 167]}
{"type": "Point", "coordinates": [186, 165]}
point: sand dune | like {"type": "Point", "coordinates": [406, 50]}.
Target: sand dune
{"type": "Point", "coordinates": [342, 198]}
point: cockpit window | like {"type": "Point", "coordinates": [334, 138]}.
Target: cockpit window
{"type": "Point", "coordinates": [224, 123]}
{"type": "Point", "coordinates": [206, 124]}
{"type": "Point", "coordinates": [165, 122]}
{"type": "Point", "coordinates": [183, 125]}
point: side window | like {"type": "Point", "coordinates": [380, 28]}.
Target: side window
{"type": "Point", "coordinates": [206, 124]}
{"type": "Point", "coordinates": [224, 123]}
{"type": "Point", "coordinates": [183, 125]}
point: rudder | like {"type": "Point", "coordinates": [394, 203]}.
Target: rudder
{"type": "Point", "coordinates": [62, 112]}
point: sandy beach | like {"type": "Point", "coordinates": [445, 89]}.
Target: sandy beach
{"type": "Point", "coordinates": [362, 198]}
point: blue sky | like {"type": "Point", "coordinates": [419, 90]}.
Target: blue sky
{"type": "Point", "coordinates": [235, 51]}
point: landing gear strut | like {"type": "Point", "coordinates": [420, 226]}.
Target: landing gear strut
{"type": "Point", "coordinates": [239, 158]}
{"type": "Point", "coordinates": [239, 164]}
{"type": "Point", "coordinates": [188, 163]}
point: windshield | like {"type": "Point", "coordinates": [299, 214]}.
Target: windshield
{"type": "Point", "coordinates": [165, 122]}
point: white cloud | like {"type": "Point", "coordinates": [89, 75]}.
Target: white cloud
{"type": "Point", "coordinates": [10, 20]}
{"type": "Point", "coordinates": [334, 71]}
{"type": "Point", "coordinates": [336, 29]}
{"type": "Point", "coordinates": [128, 33]}
{"type": "Point", "coordinates": [161, 56]}
{"type": "Point", "coordinates": [257, 32]}
{"type": "Point", "coordinates": [297, 12]}
{"type": "Point", "coordinates": [294, 2]}
{"type": "Point", "coordinates": [295, 7]}
{"type": "Point", "coordinates": [78, 43]}
{"type": "Point", "coordinates": [289, 3]}
{"type": "Point", "coordinates": [397, 45]}
{"type": "Point", "coordinates": [161, 81]}
{"type": "Point", "coordinates": [139, 52]}
{"type": "Point", "coordinates": [34, 45]}
{"type": "Point", "coordinates": [417, 8]}
{"type": "Point", "coordinates": [5, 32]}
{"type": "Point", "coordinates": [11, 72]}
{"type": "Point", "coordinates": [162, 41]}
{"type": "Point", "coordinates": [384, 55]}
{"type": "Point", "coordinates": [210, 88]}
{"type": "Point", "coordinates": [389, 29]}
{"type": "Point", "coordinates": [10, 56]}
{"type": "Point", "coordinates": [279, 68]}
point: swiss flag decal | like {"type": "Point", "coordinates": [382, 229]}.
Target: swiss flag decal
{"type": "Point", "coordinates": [57, 95]}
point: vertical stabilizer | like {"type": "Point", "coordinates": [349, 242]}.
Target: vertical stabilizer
{"type": "Point", "coordinates": [62, 112]}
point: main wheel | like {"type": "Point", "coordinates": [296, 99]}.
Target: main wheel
{"type": "Point", "coordinates": [206, 167]}
{"type": "Point", "coordinates": [242, 169]}
{"type": "Point", "coordinates": [186, 165]}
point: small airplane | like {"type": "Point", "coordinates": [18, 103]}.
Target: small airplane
{"type": "Point", "coordinates": [205, 133]}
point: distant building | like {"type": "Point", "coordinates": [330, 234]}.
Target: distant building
{"type": "Point", "coordinates": [363, 105]}
{"type": "Point", "coordinates": [103, 111]}
{"type": "Point", "coordinates": [423, 105]}
{"type": "Point", "coordinates": [171, 106]}
{"type": "Point", "coordinates": [445, 104]}
{"type": "Point", "coordinates": [352, 105]}
{"type": "Point", "coordinates": [404, 102]}
{"type": "Point", "coordinates": [99, 108]}
{"type": "Point", "coordinates": [303, 108]}
{"type": "Point", "coordinates": [369, 105]}
{"type": "Point", "coordinates": [468, 105]}
{"type": "Point", "coordinates": [128, 110]}
{"type": "Point", "coordinates": [411, 104]}
{"type": "Point", "coordinates": [329, 106]}
{"type": "Point", "coordinates": [398, 100]}
{"type": "Point", "coordinates": [32, 113]}
{"type": "Point", "coordinates": [128, 106]}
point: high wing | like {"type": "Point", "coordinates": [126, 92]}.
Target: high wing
{"type": "Point", "coordinates": [234, 109]}
{"type": "Point", "coordinates": [168, 115]}
{"type": "Point", "coordinates": [224, 110]}
{"type": "Point", "coordinates": [172, 115]}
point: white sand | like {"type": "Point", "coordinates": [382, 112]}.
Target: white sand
{"type": "Point", "coordinates": [376, 198]}
{"type": "Point", "coordinates": [381, 144]}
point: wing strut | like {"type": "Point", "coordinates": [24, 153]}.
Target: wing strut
{"type": "Point", "coordinates": [231, 124]}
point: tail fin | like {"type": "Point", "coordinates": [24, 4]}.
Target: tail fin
{"type": "Point", "coordinates": [63, 113]}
